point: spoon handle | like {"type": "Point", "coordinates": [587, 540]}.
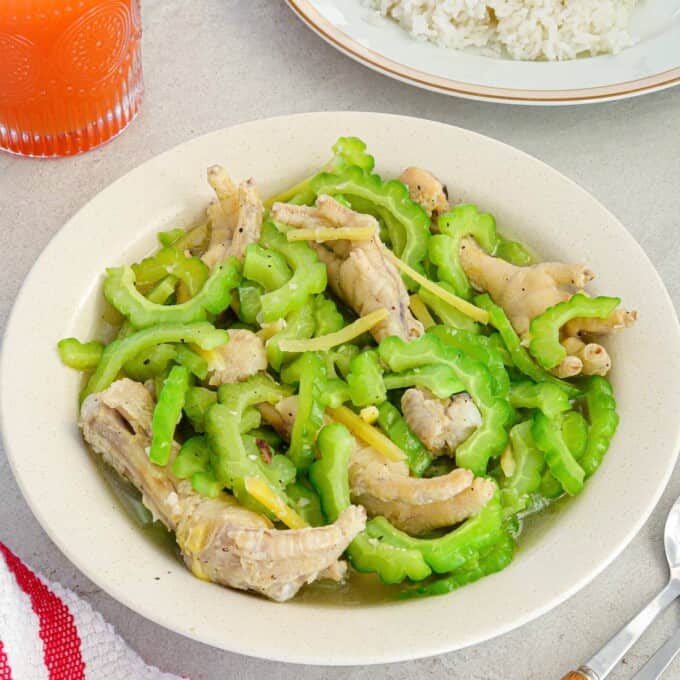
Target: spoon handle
{"type": "Point", "coordinates": [599, 667]}
{"type": "Point", "coordinates": [662, 658]}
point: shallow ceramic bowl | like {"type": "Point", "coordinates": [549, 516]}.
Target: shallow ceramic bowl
{"type": "Point", "coordinates": [559, 555]}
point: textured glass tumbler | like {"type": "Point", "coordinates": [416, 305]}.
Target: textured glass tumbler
{"type": "Point", "coordinates": [70, 73]}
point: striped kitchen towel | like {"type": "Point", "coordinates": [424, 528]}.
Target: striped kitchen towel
{"type": "Point", "coordinates": [48, 633]}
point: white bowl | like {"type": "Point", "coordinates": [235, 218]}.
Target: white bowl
{"type": "Point", "coordinates": [562, 553]}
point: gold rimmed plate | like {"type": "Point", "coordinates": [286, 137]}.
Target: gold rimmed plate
{"type": "Point", "coordinates": [652, 64]}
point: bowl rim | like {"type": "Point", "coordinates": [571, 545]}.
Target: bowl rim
{"type": "Point", "coordinates": [308, 656]}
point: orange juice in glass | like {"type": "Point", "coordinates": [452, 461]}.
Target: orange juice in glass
{"type": "Point", "coordinates": [70, 73]}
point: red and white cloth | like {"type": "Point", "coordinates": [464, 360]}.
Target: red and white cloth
{"type": "Point", "coordinates": [48, 633]}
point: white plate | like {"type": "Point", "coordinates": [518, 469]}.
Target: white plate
{"type": "Point", "coordinates": [381, 44]}
{"type": "Point", "coordinates": [73, 503]}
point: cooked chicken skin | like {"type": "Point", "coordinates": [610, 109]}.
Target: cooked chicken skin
{"type": "Point", "coordinates": [523, 292]}
{"type": "Point", "coordinates": [282, 415]}
{"type": "Point", "coordinates": [249, 223]}
{"type": "Point", "coordinates": [569, 367]}
{"type": "Point", "coordinates": [244, 355]}
{"type": "Point", "coordinates": [274, 563]}
{"type": "Point", "coordinates": [117, 425]}
{"type": "Point", "coordinates": [594, 358]}
{"type": "Point", "coordinates": [371, 474]}
{"type": "Point", "coordinates": [220, 540]}
{"type": "Point", "coordinates": [235, 218]}
{"type": "Point", "coordinates": [426, 189]}
{"type": "Point", "coordinates": [358, 272]}
{"type": "Point", "coordinates": [440, 424]}
{"type": "Point", "coordinates": [367, 281]}
{"type": "Point", "coordinates": [617, 320]}
{"type": "Point", "coordinates": [326, 213]}
{"type": "Point", "coordinates": [419, 519]}
{"type": "Point", "coordinates": [340, 215]}
{"type": "Point", "coordinates": [223, 212]}
{"type": "Point", "coordinates": [526, 292]}
{"type": "Point", "coordinates": [384, 487]}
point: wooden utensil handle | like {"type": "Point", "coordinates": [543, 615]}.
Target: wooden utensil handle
{"type": "Point", "coordinates": [575, 675]}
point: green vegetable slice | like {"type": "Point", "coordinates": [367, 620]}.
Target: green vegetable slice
{"type": "Point", "coordinates": [439, 379]}
{"type": "Point", "coordinates": [548, 436]}
{"type": "Point", "coordinates": [365, 379]}
{"type": "Point", "coordinates": [309, 371]}
{"type": "Point", "coordinates": [520, 357]}
{"type": "Point", "coordinates": [396, 428]}
{"type": "Point", "coordinates": [82, 356]}
{"type": "Point", "coordinates": [328, 475]}
{"type": "Point", "coordinates": [545, 344]}
{"type": "Point", "coordinates": [309, 275]}
{"type": "Point", "coordinates": [116, 354]}
{"type": "Point", "coordinates": [171, 261]}
{"type": "Point", "coordinates": [407, 223]}
{"type": "Point", "coordinates": [214, 297]}
{"type": "Point", "coordinates": [529, 465]}
{"type": "Point", "coordinates": [461, 221]}
{"type": "Point", "coordinates": [490, 438]}
{"type": "Point", "coordinates": [604, 420]}
{"type": "Point", "coordinates": [167, 413]}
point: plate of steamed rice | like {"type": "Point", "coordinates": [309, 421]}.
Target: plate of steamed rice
{"type": "Point", "coordinates": [512, 51]}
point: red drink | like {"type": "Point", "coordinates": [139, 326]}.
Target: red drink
{"type": "Point", "coordinates": [70, 73]}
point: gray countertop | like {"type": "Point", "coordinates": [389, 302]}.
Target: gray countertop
{"type": "Point", "coordinates": [213, 63]}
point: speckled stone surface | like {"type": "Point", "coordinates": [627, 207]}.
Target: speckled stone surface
{"type": "Point", "coordinates": [213, 63]}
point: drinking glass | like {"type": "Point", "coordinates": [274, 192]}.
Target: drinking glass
{"type": "Point", "coordinates": [70, 73]}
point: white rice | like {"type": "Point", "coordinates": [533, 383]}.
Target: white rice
{"type": "Point", "coordinates": [521, 29]}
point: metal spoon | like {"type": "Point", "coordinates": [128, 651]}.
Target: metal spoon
{"type": "Point", "coordinates": [657, 664]}
{"type": "Point", "coordinates": [599, 666]}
